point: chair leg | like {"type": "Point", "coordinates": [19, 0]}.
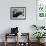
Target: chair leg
{"type": "Point", "coordinates": [5, 43]}
{"type": "Point", "coordinates": [17, 39]}
{"type": "Point", "coordinates": [5, 39]}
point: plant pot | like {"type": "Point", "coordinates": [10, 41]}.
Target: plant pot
{"type": "Point", "coordinates": [40, 41]}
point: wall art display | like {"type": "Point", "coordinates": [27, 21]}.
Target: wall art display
{"type": "Point", "coordinates": [18, 13]}
{"type": "Point", "coordinates": [41, 12]}
{"type": "Point", "coordinates": [41, 8]}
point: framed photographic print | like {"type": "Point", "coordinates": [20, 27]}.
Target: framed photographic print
{"type": "Point", "coordinates": [18, 13]}
{"type": "Point", "coordinates": [41, 8]}
{"type": "Point", "coordinates": [41, 12]}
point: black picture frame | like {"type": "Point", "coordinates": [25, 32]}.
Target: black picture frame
{"type": "Point", "coordinates": [17, 13]}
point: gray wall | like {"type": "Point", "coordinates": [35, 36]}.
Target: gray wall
{"type": "Point", "coordinates": [24, 25]}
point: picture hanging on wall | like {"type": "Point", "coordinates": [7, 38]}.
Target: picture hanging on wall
{"type": "Point", "coordinates": [41, 8]}
{"type": "Point", "coordinates": [18, 13]}
{"type": "Point", "coordinates": [41, 12]}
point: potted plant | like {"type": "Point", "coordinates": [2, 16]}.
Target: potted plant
{"type": "Point", "coordinates": [39, 35]}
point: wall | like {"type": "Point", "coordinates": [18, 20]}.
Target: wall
{"type": "Point", "coordinates": [24, 25]}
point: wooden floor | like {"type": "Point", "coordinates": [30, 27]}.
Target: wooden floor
{"type": "Point", "coordinates": [13, 44]}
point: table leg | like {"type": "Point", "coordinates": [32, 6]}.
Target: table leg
{"type": "Point", "coordinates": [5, 40]}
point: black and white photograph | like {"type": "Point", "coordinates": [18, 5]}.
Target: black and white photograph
{"type": "Point", "coordinates": [17, 13]}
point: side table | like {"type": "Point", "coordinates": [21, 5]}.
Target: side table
{"type": "Point", "coordinates": [8, 34]}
